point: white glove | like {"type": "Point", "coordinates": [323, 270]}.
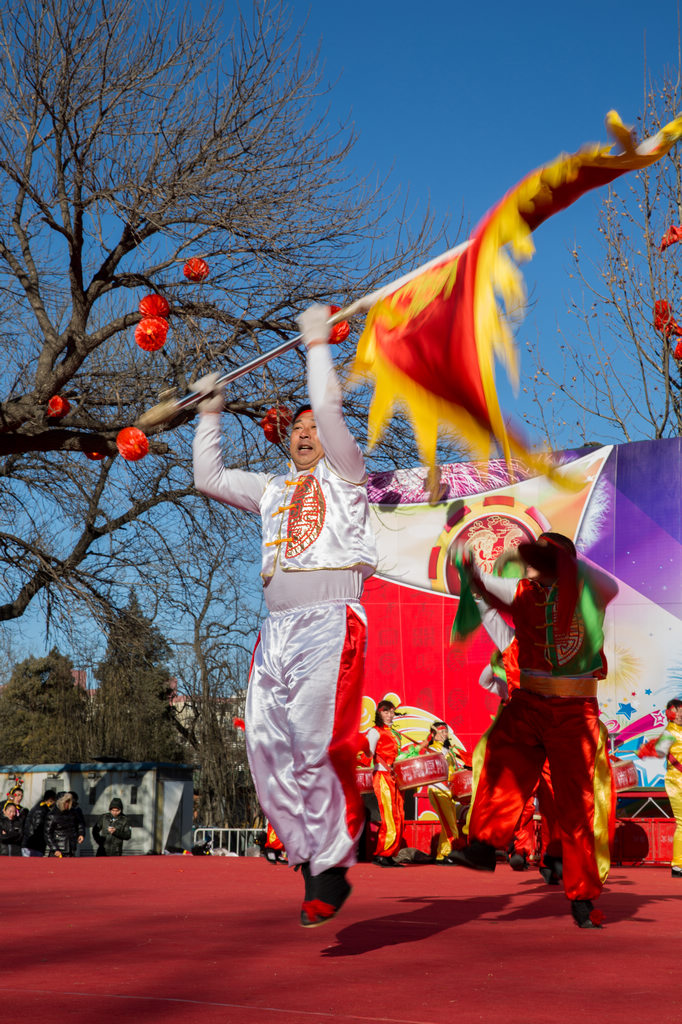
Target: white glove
{"type": "Point", "coordinates": [314, 324]}
{"type": "Point", "coordinates": [215, 396]}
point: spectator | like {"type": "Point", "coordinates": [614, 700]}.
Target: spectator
{"type": "Point", "coordinates": [16, 795]}
{"type": "Point", "coordinates": [34, 842]}
{"type": "Point", "coordinates": [10, 830]}
{"type": "Point", "coordinates": [80, 817]}
{"type": "Point", "coordinates": [110, 830]}
{"type": "Point", "coordinates": [63, 831]}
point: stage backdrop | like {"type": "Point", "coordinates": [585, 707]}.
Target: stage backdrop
{"type": "Point", "coordinates": [624, 513]}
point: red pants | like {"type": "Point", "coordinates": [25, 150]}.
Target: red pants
{"type": "Point", "coordinates": [566, 732]}
{"type": "Point", "coordinates": [390, 801]}
{"type": "Point", "coordinates": [524, 838]}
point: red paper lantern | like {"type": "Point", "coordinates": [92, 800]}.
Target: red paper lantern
{"type": "Point", "coordinates": [340, 331]}
{"type": "Point", "coordinates": [132, 444]}
{"type": "Point", "coordinates": [151, 333]}
{"type": "Point", "coordinates": [58, 407]}
{"type": "Point", "coordinates": [672, 235]}
{"type": "Point", "coordinates": [196, 270]}
{"type": "Point", "coordinates": [238, 723]}
{"type": "Point", "coordinates": [93, 455]}
{"type": "Point", "coordinates": [154, 305]}
{"type": "Point", "coordinates": [678, 350]}
{"type": "Point", "coordinates": [276, 423]}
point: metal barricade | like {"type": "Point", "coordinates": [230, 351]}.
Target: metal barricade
{"type": "Point", "coordinates": [236, 841]}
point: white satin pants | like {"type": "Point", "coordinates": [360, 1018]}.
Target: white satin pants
{"type": "Point", "coordinates": [302, 722]}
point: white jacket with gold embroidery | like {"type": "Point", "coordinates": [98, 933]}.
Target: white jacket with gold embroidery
{"type": "Point", "coordinates": [315, 520]}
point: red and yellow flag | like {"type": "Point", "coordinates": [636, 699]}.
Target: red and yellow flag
{"type": "Point", "coordinates": [433, 343]}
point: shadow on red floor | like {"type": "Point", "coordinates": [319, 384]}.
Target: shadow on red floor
{"type": "Point", "coordinates": [213, 939]}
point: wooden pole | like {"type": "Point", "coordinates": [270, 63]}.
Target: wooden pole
{"type": "Point", "coordinates": [166, 411]}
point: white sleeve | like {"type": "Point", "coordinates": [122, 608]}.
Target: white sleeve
{"type": "Point", "coordinates": [341, 450]}
{"type": "Point", "coordinates": [490, 682]}
{"type": "Point", "coordinates": [497, 629]}
{"type": "Point", "coordinates": [373, 739]}
{"type": "Point", "coordinates": [231, 486]}
{"type": "Point", "coordinates": [664, 743]}
{"type": "Point", "coordinates": [501, 588]}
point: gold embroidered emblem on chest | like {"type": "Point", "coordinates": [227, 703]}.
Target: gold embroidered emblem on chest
{"type": "Point", "coordinates": [568, 646]}
{"type": "Point", "coordinates": [306, 517]}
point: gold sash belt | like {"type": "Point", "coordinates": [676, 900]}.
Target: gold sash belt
{"type": "Point", "coordinates": [558, 686]}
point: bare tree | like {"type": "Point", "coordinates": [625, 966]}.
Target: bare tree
{"type": "Point", "coordinates": [617, 377]}
{"type": "Point", "coordinates": [132, 138]}
{"type": "Point", "coordinates": [213, 633]}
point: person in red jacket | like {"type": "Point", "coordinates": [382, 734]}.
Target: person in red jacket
{"type": "Point", "coordinates": [384, 744]}
{"type": "Point", "coordinates": [557, 611]}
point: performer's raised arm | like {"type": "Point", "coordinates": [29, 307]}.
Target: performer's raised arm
{"type": "Point", "coordinates": [341, 450]}
{"type": "Point", "coordinates": [211, 476]}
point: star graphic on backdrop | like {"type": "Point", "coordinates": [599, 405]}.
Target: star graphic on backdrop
{"type": "Point", "coordinates": [648, 693]}
{"type": "Point", "coordinates": [626, 709]}
{"type": "Point", "coordinates": [658, 718]}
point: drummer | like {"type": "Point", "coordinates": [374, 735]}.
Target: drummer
{"type": "Point", "coordinates": [440, 794]}
{"type": "Point", "coordinates": [384, 744]}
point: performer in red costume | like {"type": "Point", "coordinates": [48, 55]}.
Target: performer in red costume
{"type": "Point", "coordinates": [669, 746]}
{"type": "Point", "coordinates": [273, 847]}
{"type": "Point", "coordinates": [384, 743]}
{"type": "Point", "coordinates": [305, 687]}
{"type": "Point", "coordinates": [439, 793]}
{"type": "Point", "coordinates": [502, 676]}
{"type": "Point", "coordinates": [557, 612]}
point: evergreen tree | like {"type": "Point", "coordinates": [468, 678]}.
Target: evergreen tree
{"type": "Point", "coordinates": [43, 714]}
{"type": "Point", "coordinates": [134, 716]}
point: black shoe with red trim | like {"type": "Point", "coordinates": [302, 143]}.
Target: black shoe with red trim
{"type": "Point", "coordinates": [325, 895]}
{"type": "Point", "coordinates": [584, 914]}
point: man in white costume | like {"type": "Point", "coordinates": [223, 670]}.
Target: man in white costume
{"type": "Point", "coordinates": [305, 687]}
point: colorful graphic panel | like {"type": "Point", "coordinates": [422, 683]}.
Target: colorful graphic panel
{"type": "Point", "coordinates": [624, 512]}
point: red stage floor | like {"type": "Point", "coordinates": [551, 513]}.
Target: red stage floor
{"type": "Point", "coordinates": [213, 939]}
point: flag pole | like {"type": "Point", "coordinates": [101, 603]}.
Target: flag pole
{"type": "Point", "coordinates": [167, 410]}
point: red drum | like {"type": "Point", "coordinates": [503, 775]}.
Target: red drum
{"type": "Point", "coordinates": [624, 775]}
{"type": "Point", "coordinates": [364, 779]}
{"type": "Point", "coordinates": [461, 785]}
{"type": "Point", "coordinates": [421, 770]}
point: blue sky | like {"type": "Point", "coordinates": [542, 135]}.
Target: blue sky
{"type": "Point", "coordinates": [460, 100]}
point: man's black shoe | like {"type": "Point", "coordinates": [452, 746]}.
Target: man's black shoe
{"type": "Point", "coordinates": [479, 856]}
{"type": "Point", "coordinates": [307, 878]}
{"type": "Point", "coordinates": [385, 862]}
{"type": "Point", "coordinates": [676, 872]}
{"type": "Point", "coordinates": [584, 914]}
{"type": "Point", "coordinates": [518, 861]}
{"type": "Point", "coordinates": [555, 864]}
{"type": "Point", "coordinates": [325, 895]}
{"type": "Point", "coordinates": [549, 876]}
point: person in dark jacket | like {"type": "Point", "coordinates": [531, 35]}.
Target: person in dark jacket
{"type": "Point", "coordinates": [80, 817]}
{"type": "Point", "coordinates": [64, 831]}
{"type": "Point", "coordinates": [16, 795]}
{"type": "Point", "coordinates": [110, 830]}
{"type": "Point", "coordinates": [10, 830]}
{"type": "Point", "coordinates": [34, 842]}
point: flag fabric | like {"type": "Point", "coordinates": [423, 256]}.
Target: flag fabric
{"type": "Point", "coordinates": [433, 343]}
